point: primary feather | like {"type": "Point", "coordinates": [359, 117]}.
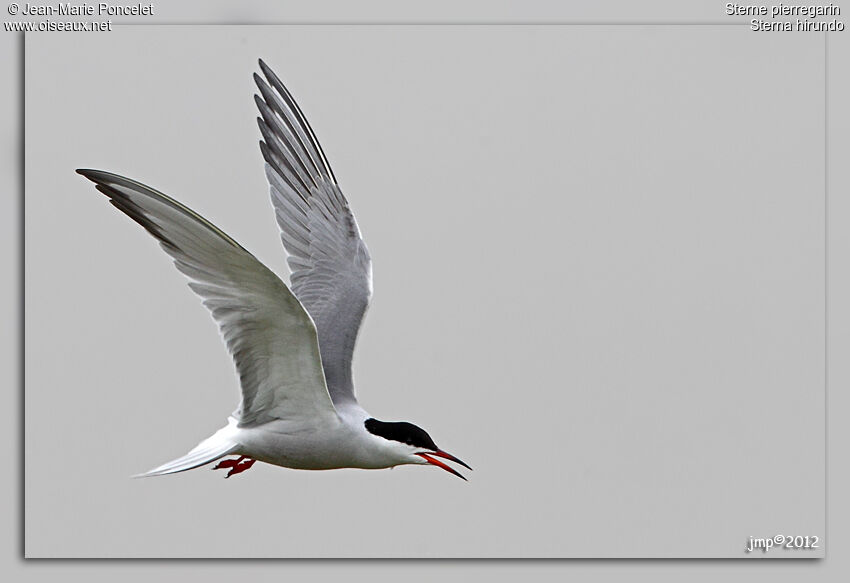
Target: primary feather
{"type": "Point", "coordinates": [271, 338]}
{"type": "Point", "coordinates": [330, 264]}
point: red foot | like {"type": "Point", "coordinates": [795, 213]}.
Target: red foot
{"type": "Point", "coordinates": [236, 466]}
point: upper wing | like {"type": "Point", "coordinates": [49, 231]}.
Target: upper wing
{"type": "Point", "coordinates": [331, 267]}
{"type": "Point", "coordinates": [271, 337]}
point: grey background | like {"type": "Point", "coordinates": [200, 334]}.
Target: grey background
{"type": "Point", "coordinates": [598, 269]}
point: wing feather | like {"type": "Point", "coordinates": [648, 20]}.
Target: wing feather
{"type": "Point", "coordinates": [330, 264]}
{"type": "Point", "coordinates": [271, 337]}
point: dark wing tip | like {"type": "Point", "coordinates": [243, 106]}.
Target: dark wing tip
{"type": "Point", "coordinates": [267, 155]}
{"type": "Point", "coordinates": [274, 81]}
{"type": "Point", "coordinates": [101, 176]}
{"type": "Point", "coordinates": [92, 175]}
{"type": "Point", "coordinates": [265, 68]}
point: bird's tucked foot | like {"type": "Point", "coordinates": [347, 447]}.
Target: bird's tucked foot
{"type": "Point", "coordinates": [236, 466]}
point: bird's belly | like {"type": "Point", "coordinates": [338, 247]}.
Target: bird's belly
{"type": "Point", "coordinates": [291, 446]}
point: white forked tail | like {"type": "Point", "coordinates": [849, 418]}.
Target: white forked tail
{"type": "Point", "coordinates": [220, 444]}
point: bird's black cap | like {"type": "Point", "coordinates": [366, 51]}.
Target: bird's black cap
{"type": "Point", "coordinates": [402, 432]}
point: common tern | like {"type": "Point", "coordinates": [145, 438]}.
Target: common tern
{"type": "Point", "coordinates": [292, 347]}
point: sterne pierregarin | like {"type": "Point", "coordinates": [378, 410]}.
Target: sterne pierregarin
{"type": "Point", "coordinates": [292, 347]}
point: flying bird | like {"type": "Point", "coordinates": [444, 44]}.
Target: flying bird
{"type": "Point", "coordinates": [292, 347]}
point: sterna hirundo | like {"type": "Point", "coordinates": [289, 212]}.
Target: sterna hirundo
{"type": "Point", "coordinates": [292, 347]}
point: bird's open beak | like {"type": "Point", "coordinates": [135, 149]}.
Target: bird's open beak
{"type": "Point", "coordinates": [445, 455]}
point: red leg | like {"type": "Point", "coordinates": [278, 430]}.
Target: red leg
{"type": "Point", "coordinates": [236, 466]}
{"type": "Point", "coordinates": [240, 467]}
{"type": "Point", "coordinates": [228, 463]}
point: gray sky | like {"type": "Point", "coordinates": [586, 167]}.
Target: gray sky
{"type": "Point", "coordinates": [599, 280]}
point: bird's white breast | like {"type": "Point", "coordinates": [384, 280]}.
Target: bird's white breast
{"type": "Point", "coordinates": [295, 444]}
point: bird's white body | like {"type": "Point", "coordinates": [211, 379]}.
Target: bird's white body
{"type": "Point", "coordinates": [302, 445]}
{"type": "Point", "coordinates": [292, 347]}
{"type": "Point", "coordinates": [341, 441]}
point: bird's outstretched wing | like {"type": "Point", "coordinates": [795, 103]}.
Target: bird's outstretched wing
{"type": "Point", "coordinates": [271, 338]}
{"type": "Point", "coordinates": [331, 267]}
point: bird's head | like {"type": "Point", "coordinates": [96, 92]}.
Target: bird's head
{"type": "Point", "coordinates": [412, 444]}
